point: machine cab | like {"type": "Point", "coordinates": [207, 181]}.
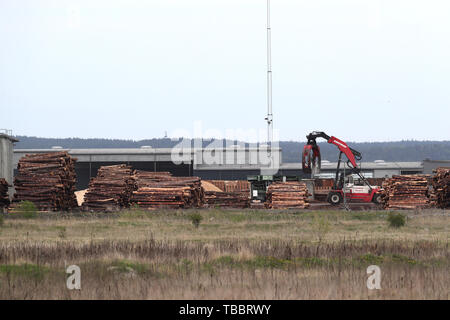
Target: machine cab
{"type": "Point", "coordinates": [353, 185]}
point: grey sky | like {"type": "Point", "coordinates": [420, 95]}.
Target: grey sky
{"type": "Point", "coordinates": [360, 70]}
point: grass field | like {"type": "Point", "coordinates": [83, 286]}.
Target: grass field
{"type": "Point", "coordinates": [233, 254]}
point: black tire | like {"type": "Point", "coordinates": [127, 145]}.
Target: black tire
{"type": "Point", "coordinates": [376, 198]}
{"type": "Point", "coordinates": [334, 198]}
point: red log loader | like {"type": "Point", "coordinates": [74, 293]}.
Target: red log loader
{"type": "Point", "coordinates": [342, 186]}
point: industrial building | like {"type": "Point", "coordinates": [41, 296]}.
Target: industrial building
{"type": "Point", "coordinates": [430, 165]}
{"type": "Point", "coordinates": [218, 163]}
{"type": "Point", "coordinates": [6, 156]}
{"type": "Point", "coordinates": [232, 163]}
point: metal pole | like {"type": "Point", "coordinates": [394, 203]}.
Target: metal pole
{"type": "Point", "coordinates": [269, 117]}
{"type": "Point", "coordinates": [343, 191]}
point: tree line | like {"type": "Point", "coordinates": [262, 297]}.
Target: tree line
{"type": "Point", "coordinates": [409, 150]}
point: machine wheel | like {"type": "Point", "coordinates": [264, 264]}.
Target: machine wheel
{"type": "Point", "coordinates": [334, 198]}
{"type": "Point", "coordinates": [376, 198]}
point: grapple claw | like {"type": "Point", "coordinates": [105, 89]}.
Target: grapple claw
{"type": "Point", "coordinates": [311, 160]}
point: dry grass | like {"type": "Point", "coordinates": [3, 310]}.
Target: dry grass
{"type": "Point", "coordinates": [234, 254]}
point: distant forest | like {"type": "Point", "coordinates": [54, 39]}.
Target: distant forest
{"type": "Point", "coordinates": [388, 151]}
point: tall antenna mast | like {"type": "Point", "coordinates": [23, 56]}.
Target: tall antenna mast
{"type": "Point", "coordinates": [269, 117]}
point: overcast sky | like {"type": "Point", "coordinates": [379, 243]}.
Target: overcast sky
{"type": "Point", "coordinates": [360, 70]}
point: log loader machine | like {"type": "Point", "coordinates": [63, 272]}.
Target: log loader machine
{"type": "Point", "coordinates": [311, 160]}
{"type": "Point", "coordinates": [343, 185]}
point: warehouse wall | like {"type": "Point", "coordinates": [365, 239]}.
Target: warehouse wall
{"type": "Point", "coordinates": [430, 165]}
{"type": "Point", "coordinates": [6, 159]}
{"type": "Point", "coordinates": [379, 173]}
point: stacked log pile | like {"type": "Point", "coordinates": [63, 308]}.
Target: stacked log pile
{"type": "Point", "coordinates": [441, 186]}
{"type": "Point", "coordinates": [157, 197]}
{"type": "Point", "coordinates": [226, 199]}
{"type": "Point", "coordinates": [226, 193]}
{"type": "Point", "coordinates": [48, 180]}
{"type": "Point", "coordinates": [110, 190]}
{"type": "Point", "coordinates": [287, 195]}
{"type": "Point", "coordinates": [143, 178]}
{"type": "Point", "coordinates": [321, 189]}
{"type": "Point", "coordinates": [4, 198]}
{"type": "Point", "coordinates": [156, 190]}
{"type": "Point", "coordinates": [208, 186]}
{"type": "Point", "coordinates": [406, 192]}
{"type": "Point", "coordinates": [231, 185]}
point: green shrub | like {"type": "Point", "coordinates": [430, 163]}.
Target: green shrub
{"type": "Point", "coordinates": [1, 220]}
{"type": "Point", "coordinates": [267, 262]}
{"type": "Point", "coordinates": [196, 218]}
{"type": "Point", "coordinates": [126, 266]}
{"type": "Point", "coordinates": [370, 258]}
{"type": "Point", "coordinates": [26, 270]}
{"type": "Point", "coordinates": [27, 209]}
{"type": "Point", "coordinates": [396, 220]}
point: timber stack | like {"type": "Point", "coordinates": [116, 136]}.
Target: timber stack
{"type": "Point", "coordinates": [110, 190]}
{"type": "Point", "coordinates": [48, 180]}
{"type": "Point", "coordinates": [406, 192]}
{"type": "Point", "coordinates": [441, 187]}
{"type": "Point", "coordinates": [231, 185]}
{"type": "Point", "coordinates": [227, 193]}
{"type": "Point", "coordinates": [226, 199]}
{"type": "Point", "coordinates": [143, 178]}
{"type": "Point", "coordinates": [287, 195]}
{"type": "Point", "coordinates": [4, 198]}
{"type": "Point", "coordinates": [161, 197]}
{"type": "Point", "coordinates": [167, 191]}
{"type": "Point", "coordinates": [322, 188]}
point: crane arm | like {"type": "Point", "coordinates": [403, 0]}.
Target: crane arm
{"type": "Point", "coordinates": [351, 154]}
{"type": "Point", "coordinates": [311, 152]}
{"type": "Point", "coordinates": [311, 156]}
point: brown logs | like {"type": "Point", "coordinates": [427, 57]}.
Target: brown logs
{"type": "Point", "coordinates": [110, 190]}
{"type": "Point", "coordinates": [162, 190]}
{"type": "Point", "coordinates": [162, 197]}
{"type": "Point", "coordinates": [143, 178]}
{"type": "Point", "coordinates": [48, 180]}
{"type": "Point", "coordinates": [286, 195]}
{"type": "Point", "coordinates": [406, 192]}
{"type": "Point", "coordinates": [227, 199]}
{"type": "Point", "coordinates": [231, 185]}
{"type": "Point", "coordinates": [227, 193]}
{"type": "Point", "coordinates": [4, 197]}
{"type": "Point", "coordinates": [441, 187]}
